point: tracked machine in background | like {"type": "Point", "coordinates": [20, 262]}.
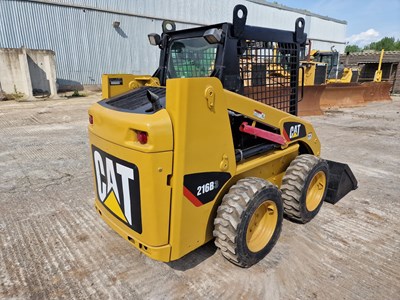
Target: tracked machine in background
{"type": "Point", "coordinates": [210, 146]}
{"type": "Point", "coordinates": [328, 84]}
{"type": "Point", "coordinates": [336, 72]}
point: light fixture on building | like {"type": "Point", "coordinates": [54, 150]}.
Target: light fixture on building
{"type": "Point", "coordinates": [116, 24]}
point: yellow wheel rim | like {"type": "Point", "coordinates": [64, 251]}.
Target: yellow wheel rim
{"type": "Point", "coordinates": [262, 226]}
{"type": "Point", "coordinates": [315, 191]}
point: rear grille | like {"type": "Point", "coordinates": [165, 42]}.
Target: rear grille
{"type": "Point", "coordinates": [135, 99]}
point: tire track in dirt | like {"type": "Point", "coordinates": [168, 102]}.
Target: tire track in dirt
{"type": "Point", "coordinates": [54, 245]}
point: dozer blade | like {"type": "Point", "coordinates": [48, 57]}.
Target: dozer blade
{"type": "Point", "coordinates": [354, 94]}
{"type": "Point", "coordinates": [377, 91]}
{"type": "Point", "coordinates": [342, 95]}
{"type": "Point", "coordinates": [341, 181]}
{"type": "Point", "coordinates": [309, 105]}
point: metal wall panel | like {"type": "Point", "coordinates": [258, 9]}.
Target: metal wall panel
{"type": "Point", "coordinates": [86, 44]}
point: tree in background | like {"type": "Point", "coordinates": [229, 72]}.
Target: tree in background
{"type": "Point", "coordinates": [387, 43]}
{"type": "Point", "coordinates": [352, 48]}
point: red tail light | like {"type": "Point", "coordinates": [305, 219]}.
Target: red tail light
{"type": "Point", "coordinates": [91, 119]}
{"type": "Point", "coordinates": [141, 137]}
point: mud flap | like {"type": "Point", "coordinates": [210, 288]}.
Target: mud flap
{"type": "Point", "coordinates": [341, 181]}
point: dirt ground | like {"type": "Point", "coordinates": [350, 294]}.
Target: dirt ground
{"type": "Point", "coordinates": [54, 245]}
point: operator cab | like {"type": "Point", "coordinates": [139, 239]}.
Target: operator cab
{"type": "Point", "coordinates": [248, 60]}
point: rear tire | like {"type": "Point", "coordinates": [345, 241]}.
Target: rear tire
{"type": "Point", "coordinates": [249, 221]}
{"type": "Point", "coordinates": [304, 187]}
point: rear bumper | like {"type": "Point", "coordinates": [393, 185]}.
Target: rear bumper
{"type": "Point", "coordinates": [161, 253]}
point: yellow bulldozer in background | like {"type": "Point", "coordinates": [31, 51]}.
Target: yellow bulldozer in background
{"type": "Point", "coordinates": [328, 84]}
{"type": "Point", "coordinates": [210, 147]}
{"type": "Point", "coordinates": [324, 67]}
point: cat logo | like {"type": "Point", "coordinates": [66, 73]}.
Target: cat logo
{"type": "Point", "coordinates": [117, 185]}
{"type": "Point", "coordinates": [293, 131]}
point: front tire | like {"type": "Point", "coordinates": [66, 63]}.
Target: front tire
{"type": "Point", "coordinates": [249, 221]}
{"type": "Point", "coordinates": [304, 187]}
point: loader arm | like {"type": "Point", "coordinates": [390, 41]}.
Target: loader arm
{"type": "Point", "coordinates": [292, 128]}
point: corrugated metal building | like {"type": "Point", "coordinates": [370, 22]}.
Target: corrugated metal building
{"type": "Point", "coordinates": [87, 45]}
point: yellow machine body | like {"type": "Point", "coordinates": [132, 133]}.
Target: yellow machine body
{"type": "Point", "coordinates": [116, 84]}
{"type": "Point", "coordinates": [309, 74]}
{"type": "Point", "coordinates": [378, 72]}
{"type": "Point", "coordinates": [191, 135]}
{"type": "Point", "coordinates": [345, 78]}
{"type": "Point", "coordinates": [327, 58]}
{"type": "Point", "coordinates": [210, 145]}
{"type": "Point", "coordinates": [309, 71]}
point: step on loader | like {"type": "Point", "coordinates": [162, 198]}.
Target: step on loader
{"type": "Point", "coordinates": [210, 146]}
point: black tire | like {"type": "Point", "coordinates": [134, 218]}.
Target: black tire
{"type": "Point", "coordinates": [239, 243]}
{"type": "Point", "coordinates": [304, 172]}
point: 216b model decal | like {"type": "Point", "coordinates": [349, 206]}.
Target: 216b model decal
{"type": "Point", "coordinates": [201, 188]}
{"type": "Point", "coordinates": [207, 187]}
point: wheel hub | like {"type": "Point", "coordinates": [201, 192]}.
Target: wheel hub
{"type": "Point", "coordinates": [262, 226]}
{"type": "Point", "coordinates": [315, 191]}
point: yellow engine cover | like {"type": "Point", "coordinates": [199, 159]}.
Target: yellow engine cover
{"type": "Point", "coordinates": [131, 179]}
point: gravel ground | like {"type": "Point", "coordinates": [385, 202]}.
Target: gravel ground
{"type": "Point", "coordinates": [54, 245]}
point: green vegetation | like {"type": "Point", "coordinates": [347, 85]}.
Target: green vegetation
{"type": "Point", "coordinates": [352, 48]}
{"type": "Point", "coordinates": [76, 94]}
{"type": "Point", "coordinates": [387, 43]}
{"type": "Point", "coordinates": [12, 96]}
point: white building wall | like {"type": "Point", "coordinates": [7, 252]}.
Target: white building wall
{"type": "Point", "coordinates": [325, 34]}
{"type": "Point", "coordinates": [86, 45]}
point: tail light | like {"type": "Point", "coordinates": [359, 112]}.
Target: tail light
{"type": "Point", "coordinates": [142, 137]}
{"type": "Point", "coordinates": [90, 119]}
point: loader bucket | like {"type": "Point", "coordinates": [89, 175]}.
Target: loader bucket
{"type": "Point", "coordinates": [342, 95]}
{"type": "Point", "coordinates": [341, 181]}
{"type": "Point", "coordinates": [377, 91]}
{"type": "Point", "coordinates": [309, 105]}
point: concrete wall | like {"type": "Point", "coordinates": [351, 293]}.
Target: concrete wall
{"type": "Point", "coordinates": [28, 74]}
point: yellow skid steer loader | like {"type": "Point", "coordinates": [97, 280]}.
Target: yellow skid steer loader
{"type": "Point", "coordinates": [210, 146]}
